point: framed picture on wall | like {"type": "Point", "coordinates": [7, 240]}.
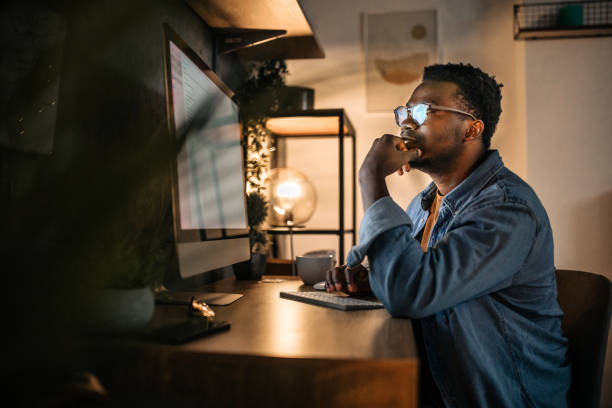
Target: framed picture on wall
{"type": "Point", "coordinates": [33, 40]}
{"type": "Point", "coordinates": [398, 46]}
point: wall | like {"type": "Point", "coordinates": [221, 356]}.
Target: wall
{"type": "Point", "coordinates": [569, 89]}
{"type": "Point", "coordinates": [477, 31]}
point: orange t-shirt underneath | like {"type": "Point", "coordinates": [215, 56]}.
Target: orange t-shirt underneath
{"type": "Point", "coordinates": [431, 220]}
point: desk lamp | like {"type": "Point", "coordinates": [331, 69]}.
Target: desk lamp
{"type": "Point", "coordinates": [292, 201]}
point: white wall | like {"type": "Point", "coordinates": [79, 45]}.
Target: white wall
{"type": "Point", "coordinates": [476, 31]}
{"type": "Point", "coordinates": [569, 92]}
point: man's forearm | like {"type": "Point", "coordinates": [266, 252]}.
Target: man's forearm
{"type": "Point", "coordinates": [373, 187]}
{"type": "Point", "coordinates": [383, 159]}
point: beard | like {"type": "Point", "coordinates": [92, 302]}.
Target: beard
{"type": "Point", "coordinates": [444, 162]}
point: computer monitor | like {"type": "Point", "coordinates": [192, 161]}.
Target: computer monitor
{"type": "Point", "coordinates": [208, 187]}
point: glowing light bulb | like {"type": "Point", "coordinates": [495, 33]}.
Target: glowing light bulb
{"type": "Point", "coordinates": [289, 189]}
{"type": "Point", "coordinates": [292, 197]}
{"type": "Point", "coordinates": [279, 210]}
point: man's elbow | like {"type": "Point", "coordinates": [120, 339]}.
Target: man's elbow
{"type": "Point", "coordinates": [405, 310]}
{"type": "Point", "coordinates": [398, 313]}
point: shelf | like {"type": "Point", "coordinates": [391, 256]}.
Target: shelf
{"type": "Point", "coordinates": [285, 231]}
{"type": "Point", "coordinates": [233, 39]}
{"type": "Point", "coordinates": [298, 42]}
{"type": "Point", "coordinates": [562, 20]}
{"type": "Point", "coordinates": [327, 123]}
{"type": "Point", "coordinates": [313, 122]}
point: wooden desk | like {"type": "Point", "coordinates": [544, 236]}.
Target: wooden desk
{"type": "Point", "coordinates": [277, 353]}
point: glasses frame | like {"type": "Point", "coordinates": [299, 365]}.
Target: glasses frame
{"type": "Point", "coordinates": [409, 109]}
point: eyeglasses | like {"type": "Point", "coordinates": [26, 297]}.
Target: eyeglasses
{"type": "Point", "coordinates": [419, 112]}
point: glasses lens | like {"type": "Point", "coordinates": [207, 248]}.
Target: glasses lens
{"type": "Point", "coordinates": [401, 114]}
{"type": "Point", "coordinates": [419, 113]}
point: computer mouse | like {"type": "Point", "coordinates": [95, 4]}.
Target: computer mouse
{"type": "Point", "coordinates": [319, 285]}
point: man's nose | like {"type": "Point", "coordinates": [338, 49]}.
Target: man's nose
{"type": "Point", "coordinates": [407, 132]}
{"type": "Point", "coordinates": [409, 123]}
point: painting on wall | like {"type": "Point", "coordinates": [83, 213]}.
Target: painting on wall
{"type": "Point", "coordinates": [398, 46]}
{"type": "Point", "coordinates": [33, 40]}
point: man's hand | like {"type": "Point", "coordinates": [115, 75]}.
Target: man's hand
{"type": "Point", "coordinates": [388, 154]}
{"type": "Point", "coordinates": [408, 143]}
{"type": "Point", "coordinates": [353, 280]}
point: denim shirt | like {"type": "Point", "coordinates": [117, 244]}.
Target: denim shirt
{"type": "Point", "coordinates": [484, 295]}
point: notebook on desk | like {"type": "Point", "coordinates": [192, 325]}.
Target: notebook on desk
{"type": "Point", "coordinates": [184, 298]}
{"type": "Point", "coordinates": [338, 301]}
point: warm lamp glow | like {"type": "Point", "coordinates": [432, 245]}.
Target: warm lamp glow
{"type": "Point", "coordinates": [292, 200]}
{"type": "Point", "coordinates": [289, 190]}
{"type": "Point", "coordinates": [305, 125]}
{"type": "Point", "coordinates": [292, 197]}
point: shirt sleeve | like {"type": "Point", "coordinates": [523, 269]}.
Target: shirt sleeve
{"type": "Point", "coordinates": [383, 215]}
{"type": "Point", "coordinates": [479, 254]}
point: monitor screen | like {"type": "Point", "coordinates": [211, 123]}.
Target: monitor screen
{"type": "Point", "coordinates": [209, 211]}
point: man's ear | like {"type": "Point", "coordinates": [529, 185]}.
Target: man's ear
{"type": "Point", "coordinates": [475, 130]}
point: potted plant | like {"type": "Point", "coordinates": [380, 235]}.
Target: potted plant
{"type": "Point", "coordinates": [128, 266]}
{"type": "Point", "coordinates": [257, 210]}
{"type": "Point", "coordinates": [258, 96]}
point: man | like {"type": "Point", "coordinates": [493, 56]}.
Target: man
{"type": "Point", "coordinates": [470, 260]}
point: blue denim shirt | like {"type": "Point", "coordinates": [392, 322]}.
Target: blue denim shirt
{"type": "Point", "coordinates": [484, 295]}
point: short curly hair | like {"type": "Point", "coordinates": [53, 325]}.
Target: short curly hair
{"type": "Point", "coordinates": [479, 93]}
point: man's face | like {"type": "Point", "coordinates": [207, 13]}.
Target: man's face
{"type": "Point", "coordinates": [440, 137]}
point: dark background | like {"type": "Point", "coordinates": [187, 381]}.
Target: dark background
{"type": "Point", "coordinates": [85, 195]}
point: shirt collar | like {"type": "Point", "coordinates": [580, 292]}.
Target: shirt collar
{"type": "Point", "coordinates": [428, 195]}
{"type": "Point", "coordinates": [469, 187]}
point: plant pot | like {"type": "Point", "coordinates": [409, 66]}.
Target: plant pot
{"type": "Point", "coordinates": [258, 265]}
{"type": "Point", "coordinates": [251, 269]}
{"type": "Point", "coordinates": [295, 98]}
{"type": "Point", "coordinates": [118, 311]}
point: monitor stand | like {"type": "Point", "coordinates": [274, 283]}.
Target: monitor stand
{"type": "Point", "coordinates": [184, 298]}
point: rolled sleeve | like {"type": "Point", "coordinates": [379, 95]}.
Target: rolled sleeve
{"type": "Point", "coordinates": [380, 217]}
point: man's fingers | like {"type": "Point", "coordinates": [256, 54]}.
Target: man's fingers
{"type": "Point", "coordinates": [410, 155]}
{"type": "Point", "coordinates": [388, 138]}
{"type": "Point", "coordinates": [349, 275]}
{"type": "Point", "coordinates": [358, 279]}
{"type": "Point", "coordinates": [329, 286]}
{"type": "Point", "coordinates": [405, 168]}
{"type": "Point", "coordinates": [387, 155]}
{"type": "Point", "coordinates": [338, 277]}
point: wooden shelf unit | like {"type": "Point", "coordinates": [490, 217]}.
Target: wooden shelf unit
{"type": "Point", "coordinates": [322, 123]}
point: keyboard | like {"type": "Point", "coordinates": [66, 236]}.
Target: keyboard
{"type": "Point", "coordinates": [335, 301]}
